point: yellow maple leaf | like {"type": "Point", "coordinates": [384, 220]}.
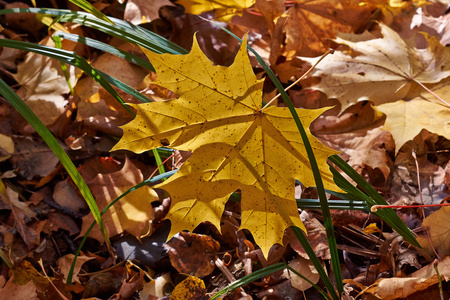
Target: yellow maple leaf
{"type": "Point", "coordinates": [405, 119]}
{"type": "Point", "coordinates": [235, 144]}
{"type": "Point", "coordinates": [224, 9]}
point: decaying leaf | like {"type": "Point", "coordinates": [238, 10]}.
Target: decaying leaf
{"type": "Point", "coordinates": [43, 83]}
{"type": "Point", "coordinates": [395, 288]}
{"type": "Point", "coordinates": [143, 11]}
{"type": "Point", "coordinates": [320, 21]}
{"type": "Point", "coordinates": [65, 262]}
{"type": "Point", "coordinates": [389, 69]}
{"type": "Point", "coordinates": [439, 229]}
{"type": "Point", "coordinates": [305, 268]}
{"type": "Point", "coordinates": [131, 213]}
{"type": "Point", "coordinates": [235, 145]}
{"type": "Point", "coordinates": [21, 214]}
{"type": "Point", "coordinates": [35, 158]}
{"type": "Point", "coordinates": [381, 70]}
{"type": "Point", "coordinates": [193, 254]}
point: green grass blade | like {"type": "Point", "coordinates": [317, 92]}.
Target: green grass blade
{"type": "Point", "coordinates": [58, 45]}
{"type": "Point", "coordinates": [73, 59]}
{"type": "Point", "coordinates": [50, 140]}
{"type": "Point", "coordinates": [370, 196]}
{"type": "Point", "coordinates": [123, 30]}
{"type": "Point", "coordinates": [159, 162]}
{"type": "Point", "coordinates": [83, 4]}
{"type": "Point", "coordinates": [328, 224]}
{"type": "Point", "coordinates": [106, 48]}
{"type": "Point", "coordinates": [260, 274]}
{"type": "Point", "coordinates": [345, 204]}
{"type": "Point", "coordinates": [315, 260]}
{"type": "Point", "coordinates": [145, 182]}
{"type": "Point", "coordinates": [250, 278]}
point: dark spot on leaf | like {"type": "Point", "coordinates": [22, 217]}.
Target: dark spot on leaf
{"type": "Point", "coordinates": [165, 142]}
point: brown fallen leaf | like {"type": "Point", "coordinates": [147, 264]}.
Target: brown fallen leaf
{"type": "Point", "coordinates": [271, 10]}
{"type": "Point", "coordinates": [34, 158]}
{"type": "Point", "coordinates": [438, 26]}
{"type": "Point", "coordinates": [23, 21]}
{"type": "Point", "coordinates": [131, 286]}
{"type": "Point", "coordinates": [22, 214]}
{"type": "Point", "coordinates": [43, 82]}
{"type": "Point", "coordinates": [57, 220]}
{"type": "Point", "coordinates": [65, 263]}
{"type": "Point", "coordinates": [132, 212]}
{"type": "Point", "coordinates": [316, 236]}
{"type": "Point", "coordinates": [304, 267]}
{"type": "Point", "coordinates": [13, 290]}
{"type": "Point", "coordinates": [192, 253]}
{"type": "Point", "coordinates": [403, 183]}
{"type": "Point", "coordinates": [320, 21]}
{"type": "Point", "coordinates": [23, 272]}
{"type": "Point", "coordinates": [106, 283]}
{"type": "Point", "coordinates": [357, 132]}
{"type": "Point", "coordinates": [143, 11]}
{"type": "Point", "coordinates": [410, 92]}
{"type": "Point", "coordinates": [394, 288]}
{"type": "Point", "coordinates": [67, 196]}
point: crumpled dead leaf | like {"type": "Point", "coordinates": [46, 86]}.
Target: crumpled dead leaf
{"type": "Point", "coordinates": [65, 262]}
{"type": "Point", "coordinates": [316, 236]}
{"type": "Point", "coordinates": [395, 288]}
{"type": "Point", "coordinates": [306, 268]}
{"type": "Point", "coordinates": [143, 11]}
{"type": "Point", "coordinates": [43, 82]}
{"type": "Point", "coordinates": [320, 21]}
{"type": "Point", "coordinates": [192, 253]}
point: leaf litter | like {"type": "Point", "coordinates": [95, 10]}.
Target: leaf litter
{"type": "Point", "coordinates": [41, 213]}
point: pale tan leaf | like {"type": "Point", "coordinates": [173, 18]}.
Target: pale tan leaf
{"type": "Point", "coordinates": [143, 11]}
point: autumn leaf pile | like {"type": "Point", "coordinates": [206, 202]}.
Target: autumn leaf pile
{"type": "Point", "coordinates": [380, 100]}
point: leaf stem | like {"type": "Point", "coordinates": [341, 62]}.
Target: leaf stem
{"type": "Point", "coordinates": [301, 78]}
{"type": "Point", "coordinates": [421, 201]}
{"type": "Point", "coordinates": [430, 91]}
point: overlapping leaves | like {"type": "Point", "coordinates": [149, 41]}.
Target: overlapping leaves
{"type": "Point", "coordinates": [407, 84]}
{"type": "Point", "coordinates": [236, 145]}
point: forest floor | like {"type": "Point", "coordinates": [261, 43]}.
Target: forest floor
{"type": "Point", "coordinates": [387, 84]}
